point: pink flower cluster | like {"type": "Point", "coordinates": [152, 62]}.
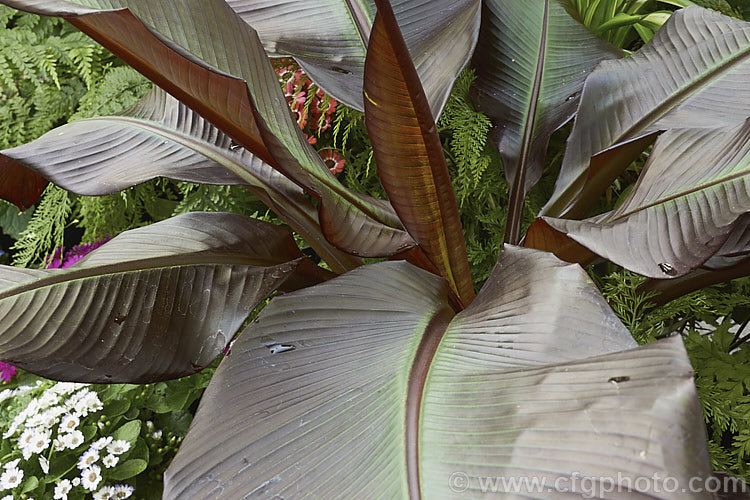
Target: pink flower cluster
{"type": "Point", "coordinates": [7, 371]}
{"type": "Point", "coordinates": [312, 109]}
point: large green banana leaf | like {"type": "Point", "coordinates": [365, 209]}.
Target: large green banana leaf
{"type": "Point", "coordinates": [531, 61]}
{"type": "Point", "coordinates": [409, 154]}
{"type": "Point", "coordinates": [368, 386]}
{"type": "Point", "coordinates": [160, 136]}
{"type": "Point", "coordinates": [693, 73]}
{"type": "Point", "coordinates": [204, 54]}
{"type": "Point", "coordinates": [155, 303]}
{"type": "Point", "coordinates": [688, 199]}
{"type": "Point", "coordinates": [329, 39]}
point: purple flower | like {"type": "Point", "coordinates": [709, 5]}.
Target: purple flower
{"type": "Point", "coordinates": [7, 371]}
{"type": "Point", "coordinates": [55, 260]}
{"type": "Point", "coordinates": [58, 260]}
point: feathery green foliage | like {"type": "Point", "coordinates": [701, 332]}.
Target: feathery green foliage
{"type": "Point", "coordinates": [207, 198]}
{"type": "Point", "coordinates": [720, 6]}
{"type": "Point", "coordinates": [51, 73]}
{"type": "Point", "coordinates": [718, 350]}
{"type": "Point", "coordinates": [102, 216]}
{"type": "Point", "coordinates": [468, 136]}
{"type": "Point", "coordinates": [119, 88]}
{"type": "Point", "coordinates": [350, 136]}
{"type": "Point", "coordinates": [479, 180]}
{"type": "Point", "coordinates": [46, 66]}
{"type": "Point", "coordinates": [46, 229]}
{"type": "Point", "coordinates": [723, 382]}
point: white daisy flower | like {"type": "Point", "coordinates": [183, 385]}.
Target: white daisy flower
{"type": "Point", "coordinates": [101, 443]}
{"type": "Point", "coordinates": [40, 442]}
{"type": "Point", "coordinates": [11, 464]}
{"type": "Point", "coordinates": [57, 445]}
{"type": "Point", "coordinates": [72, 440]}
{"type": "Point", "coordinates": [76, 481]}
{"type": "Point", "coordinates": [74, 401]}
{"type": "Point", "coordinates": [26, 437]}
{"type": "Point", "coordinates": [69, 423]}
{"type": "Point", "coordinates": [65, 388]}
{"type": "Point", "coordinates": [7, 497]}
{"type": "Point", "coordinates": [11, 478]}
{"type": "Point", "coordinates": [91, 477]}
{"type": "Point", "coordinates": [32, 409]}
{"type": "Point", "coordinates": [122, 491]}
{"type": "Point", "coordinates": [92, 401]}
{"type": "Point", "coordinates": [46, 420]}
{"type": "Point", "coordinates": [86, 401]}
{"type": "Point", "coordinates": [118, 447]}
{"type": "Point", "coordinates": [48, 399]}
{"type": "Point", "coordinates": [44, 464]}
{"type": "Point", "coordinates": [88, 459]}
{"type": "Point", "coordinates": [11, 430]}
{"type": "Point", "coordinates": [110, 461]}
{"type": "Point", "coordinates": [156, 434]}
{"type": "Point", "coordinates": [105, 493]}
{"type": "Point", "coordinates": [7, 394]}
{"type": "Point", "coordinates": [33, 441]}
{"type": "Point", "coordinates": [62, 489]}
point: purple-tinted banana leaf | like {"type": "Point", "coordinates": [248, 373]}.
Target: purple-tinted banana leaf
{"type": "Point", "coordinates": [154, 303]}
{"type": "Point", "coordinates": [735, 249]}
{"type": "Point", "coordinates": [368, 386]}
{"type": "Point", "coordinates": [409, 154]}
{"type": "Point", "coordinates": [694, 280]}
{"type": "Point", "coordinates": [692, 192]}
{"type": "Point", "coordinates": [731, 261]}
{"type": "Point", "coordinates": [160, 136]}
{"type": "Point", "coordinates": [204, 54]}
{"type": "Point", "coordinates": [693, 73]}
{"type": "Point", "coordinates": [329, 40]}
{"type": "Point", "coordinates": [20, 186]}
{"type": "Point", "coordinates": [531, 61]}
{"type": "Point", "coordinates": [542, 237]}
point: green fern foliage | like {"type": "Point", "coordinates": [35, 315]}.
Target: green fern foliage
{"type": "Point", "coordinates": [350, 137]}
{"type": "Point", "coordinates": [207, 198]}
{"type": "Point", "coordinates": [102, 216]}
{"type": "Point", "coordinates": [477, 177]}
{"type": "Point", "coordinates": [46, 229]}
{"type": "Point", "coordinates": [719, 351]}
{"type": "Point", "coordinates": [721, 6]}
{"type": "Point", "coordinates": [723, 382]}
{"type": "Point", "coordinates": [118, 89]}
{"type": "Point", "coordinates": [630, 305]}
{"type": "Point", "coordinates": [46, 66]}
{"type": "Point", "coordinates": [468, 135]}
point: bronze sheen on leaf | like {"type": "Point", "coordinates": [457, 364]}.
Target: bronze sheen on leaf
{"type": "Point", "coordinates": [692, 73]}
{"type": "Point", "coordinates": [204, 54]}
{"type": "Point", "coordinates": [531, 59]}
{"type": "Point", "coordinates": [539, 348]}
{"type": "Point", "coordinates": [154, 303]}
{"type": "Point", "coordinates": [409, 154]}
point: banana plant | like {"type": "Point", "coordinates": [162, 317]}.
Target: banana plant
{"type": "Point", "coordinates": [393, 380]}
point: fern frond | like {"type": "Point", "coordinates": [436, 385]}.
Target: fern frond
{"type": "Point", "coordinates": [46, 228]}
